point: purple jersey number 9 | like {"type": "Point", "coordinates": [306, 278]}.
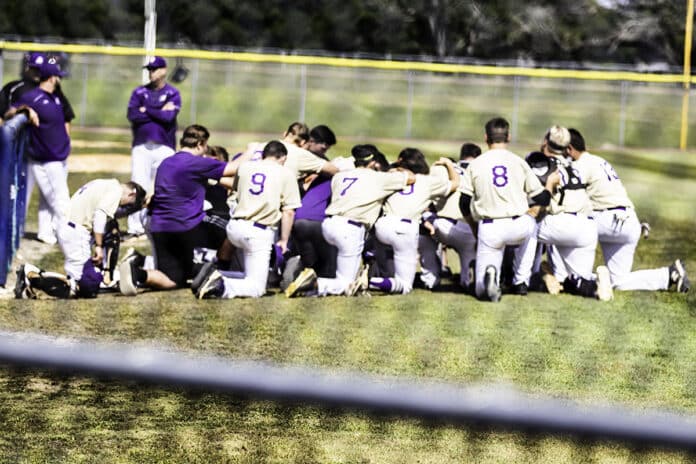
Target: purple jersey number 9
{"type": "Point", "coordinates": [258, 179]}
{"type": "Point", "coordinates": [500, 178]}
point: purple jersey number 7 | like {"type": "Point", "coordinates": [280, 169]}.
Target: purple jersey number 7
{"type": "Point", "coordinates": [351, 181]}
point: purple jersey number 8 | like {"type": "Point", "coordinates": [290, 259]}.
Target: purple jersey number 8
{"type": "Point", "coordinates": [500, 178]}
{"type": "Point", "coordinates": [258, 180]}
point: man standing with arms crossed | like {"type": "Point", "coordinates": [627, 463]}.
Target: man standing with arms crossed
{"type": "Point", "coordinates": [152, 112]}
{"type": "Point", "coordinates": [496, 187]}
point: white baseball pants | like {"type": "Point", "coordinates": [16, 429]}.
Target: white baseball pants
{"type": "Point", "coordinates": [618, 232]}
{"type": "Point", "coordinates": [75, 243]}
{"type": "Point", "coordinates": [402, 236]}
{"type": "Point", "coordinates": [574, 241]}
{"type": "Point", "coordinates": [456, 235]}
{"type": "Point", "coordinates": [256, 241]}
{"type": "Point", "coordinates": [493, 236]}
{"type": "Point", "coordinates": [145, 159]}
{"type": "Point", "coordinates": [54, 197]}
{"type": "Point", "coordinates": [349, 237]}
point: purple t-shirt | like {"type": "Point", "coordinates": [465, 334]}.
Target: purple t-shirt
{"type": "Point", "coordinates": [50, 141]}
{"type": "Point", "coordinates": [315, 201]}
{"type": "Point", "coordinates": [177, 205]}
{"type": "Point", "coordinates": [154, 125]}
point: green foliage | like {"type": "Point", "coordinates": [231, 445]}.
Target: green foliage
{"type": "Point", "coordinates": [632, 31]}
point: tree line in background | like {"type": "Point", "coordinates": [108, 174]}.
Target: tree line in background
{"type": "Point", "coordinates": [611, 31]}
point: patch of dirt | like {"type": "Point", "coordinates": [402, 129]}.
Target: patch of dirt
{"type": "Point", "coordinates": [115, 163]}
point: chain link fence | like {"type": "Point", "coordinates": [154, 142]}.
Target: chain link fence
{"type": "Point", "coordinates": [253, 96]}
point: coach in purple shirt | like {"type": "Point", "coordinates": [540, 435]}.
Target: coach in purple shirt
{"type": "Point", "coordinates": [152, 112]}
{"type": "Point", "coordinates": [177, 214]}
{"type": "Point", "coordinates": [49, 146]}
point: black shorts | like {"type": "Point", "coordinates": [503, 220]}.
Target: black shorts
{"type": "Point", "coordinates": [174, 252]}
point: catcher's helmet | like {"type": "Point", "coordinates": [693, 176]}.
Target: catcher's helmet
{"type": "Point", "coordinates": [541, 165]}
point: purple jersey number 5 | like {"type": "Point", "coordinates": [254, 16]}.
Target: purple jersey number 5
{"type": "Point", "coordinates": [258, 180]}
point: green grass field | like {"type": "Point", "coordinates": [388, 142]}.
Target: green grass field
{"type": "Point", "coordinates": [638, 350]}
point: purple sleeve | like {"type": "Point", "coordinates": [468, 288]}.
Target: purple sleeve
{"type": "Point", "coordinates": [167, 116]}
{"type": "Point", "coordinates": [209, 168]}
{"type": "Point", "coordinates": [134, 104]}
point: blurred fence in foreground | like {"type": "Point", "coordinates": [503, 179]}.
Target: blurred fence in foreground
{"type": "Point", "coordinates": [377, 99]}
{"type": "Point", "coordinates": [485, 406]}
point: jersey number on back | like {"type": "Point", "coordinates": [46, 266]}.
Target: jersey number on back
{"type": "Point", "coordinates": [350, 181]}
{"type": "Point", "coordinates": [609, 171]}
{"type": "Point", "coordinates": [500, 178]}
{"type": "Point", "coordinates": [258, 180]}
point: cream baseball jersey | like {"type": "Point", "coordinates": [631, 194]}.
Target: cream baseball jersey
{"type": "Point", "coordinates": [413, 200]}
{"type": "Point", "coordinates": [499, 183]}
{"type": "Point", "coordinates": [448, 206]}
{"type": "Point", "coordinates": [358, 194]}
{"type": "Point", "coordinates": [265, 188]}
{"type": "Point", "coordinates": [301, 161]}
{"type": "Point", "coordinates": [603, 184]}
{"type": "Point", "coordinates": [99, 194]}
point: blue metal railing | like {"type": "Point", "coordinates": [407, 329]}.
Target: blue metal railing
{"type": "Point", "coordinates": [13, 190]}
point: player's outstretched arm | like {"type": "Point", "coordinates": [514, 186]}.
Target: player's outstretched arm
{"type": "Point", "coordinates": [286, 222]}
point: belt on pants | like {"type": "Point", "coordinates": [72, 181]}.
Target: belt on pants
{"type": "Point", "coordinates": [352, 222]}
{"type": "Point", "coordinates": [615, 208]}
{"type": "Point", "coordinates": [578, 214]}
{"type": "Point", "coordinates": [490, 221]}
{"type": "Point", "coordinates": [261, 226]}
{"type": "Point", "coordinates": [71, 224]}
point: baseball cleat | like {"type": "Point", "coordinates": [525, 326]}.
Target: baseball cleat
{"type": "Point", "coordinates": [202, 276]}
{"type": "Point", "coordinates": [307, 280]}
{"type": "Point", "coordinates": [126, 283]}
{"type": "Point", "coordinates": [490, 282]}
{"type": "Point", "coordinates": [360, 284]}
{"type": "Point", "coordinates": [293, 267]}
{"type": "Point", "coordinates": [678, 278]}
{"type": "Point", "coordinates": [604, 289]}
{"type": "Point", "coordinates": [519, 289]}
{"type": "Point", "coordinates": [212, 287]}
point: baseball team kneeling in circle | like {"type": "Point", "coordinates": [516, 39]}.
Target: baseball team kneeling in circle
{"type": "Point", "coordinates": [281, 214]}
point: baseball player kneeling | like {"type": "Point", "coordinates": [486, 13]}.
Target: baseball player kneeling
{"type": "Point", "coordinates": [268, 194]}
{"type": "Point", "coordinates": [90, 209]}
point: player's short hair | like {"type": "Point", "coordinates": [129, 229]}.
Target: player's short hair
{"type": "Point", "coordinates": [299, 132]}
{"type": "Point", "coordinates": [382, 161]}
{"type": "Point", "coordinates": [576, 140]}
{"type": "Point", "coordinates": [322, 133]}
{"type": "Point", "coordinates": [469, 150]}
{"type": "Point", "coordinates": [193, 135]}
{"type": "Point", "coordinates": [497, 130]}
{"type": "Point", "coordinates": [274, 149]}
{"type": "Point", "coordinates": [413, 160]}
{"type": "Point", "coordinates": [218, 152]}
{"type": "Point", "coordinates": [557, 139]}
{"type": "Point", "coordinates": [365, 154]}
{"type": "Point", "coordinates": [139, 194]}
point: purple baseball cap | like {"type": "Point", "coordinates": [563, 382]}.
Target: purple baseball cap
{"type": "Point", "coordinates": [50, 68]}
{"type": "Point", "coordinates": [156, 62]}
{"type": "Point", "coordinates": [36, 60]}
